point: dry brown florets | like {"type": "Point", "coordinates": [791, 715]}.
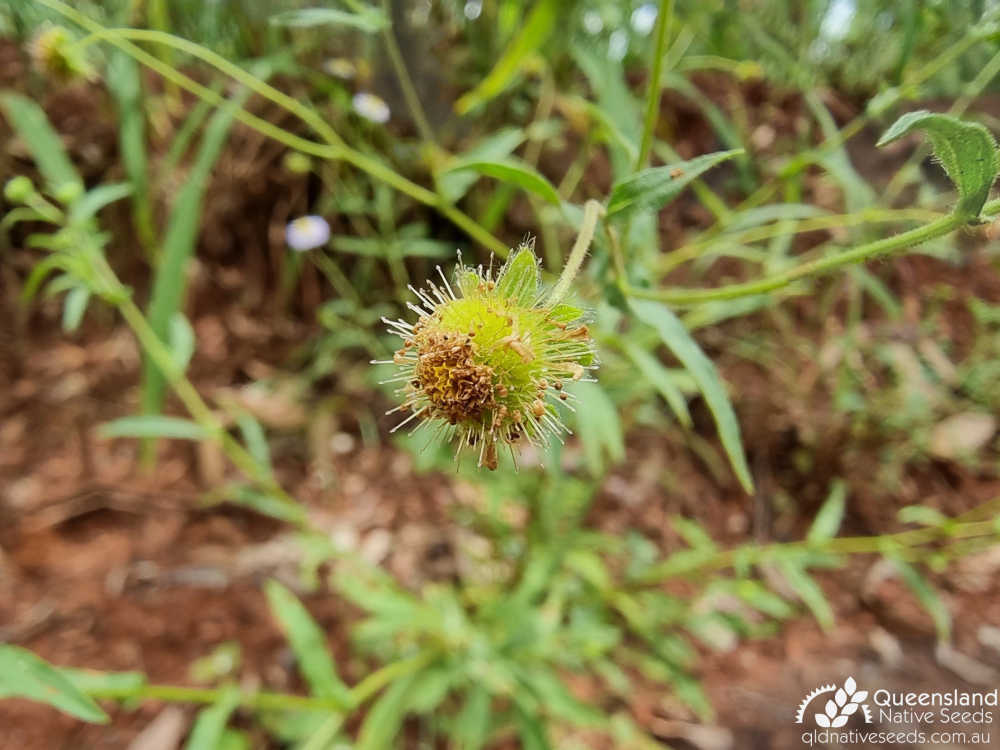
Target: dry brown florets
{"type": "Point", "coordinates": [487, 364]}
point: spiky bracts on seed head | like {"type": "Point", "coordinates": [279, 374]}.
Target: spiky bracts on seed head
{"type": "Point", "coordinates": [486, 359]}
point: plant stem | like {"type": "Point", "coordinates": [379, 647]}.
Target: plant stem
{"type": "Point", "coordinates": [268, 701]}
{"type": "Point", "coordinates": [880, 248]}
{"type": "Point", "coordinates": [405, 81]}
{"type": "Point", "coordinates": [653, 92]}
{"type": "Point", "coordinates": [592, 211]}
{"type": "Point", "coordinates": [859, 545]}
{"type": "Point", "coordinates": [695, 249]}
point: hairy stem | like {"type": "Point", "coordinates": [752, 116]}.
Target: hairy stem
{"type": "Point", "coordinates": [878, 249]}
{"type": "Point", "coordinates": [268, 701]}
{"type": "Point", "coordinates": [592, 211]}
{"type": "Point", "coordinates": [405, 81]}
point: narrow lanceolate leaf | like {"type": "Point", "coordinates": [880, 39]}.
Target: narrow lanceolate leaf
{"type": "Point", "coordinates": [153, 426]}
{"type": "Point", "coordinates": [928, 597]}
{"type": "Point", "coordinates": [686, 349]}
{"type": "Point", "coordinates": [966, 150]}
{"type": "Point", "coordinates": [659, 378]}
{"type": "Point", "coordinates": [24, 675]}
{"type": "Point", "coordinates": [808, 591]}
{"type": "Point", "coordinates": [539, 25]}
{"type": "Point", "coordinates": [386, 715]}
{"type": "Point", "coordinates": [29, 121]}
{"type": "Point", "coordinates": [653, 188]}
{"type": "Point", "coordinates": [831, 515]}
{"type": "Point", "coordinates": [511, 171]}
{"type": "Point", "coordinates": [210, 726]}
{"type": "Point", "coordinates": [307, 642]}
{"type": "Point", "coordinates": [366, 18]}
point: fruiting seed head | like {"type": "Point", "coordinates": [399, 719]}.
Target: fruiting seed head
{"type": "Point", "coordinates": [480, 357]}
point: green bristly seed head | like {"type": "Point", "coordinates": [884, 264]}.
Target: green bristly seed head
{"type": "Point", "coordinates": [487, 360]}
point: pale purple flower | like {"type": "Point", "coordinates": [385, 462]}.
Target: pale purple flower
{"type": "Point", "coordinates": [371, 107]}
{"type": "Point", "coordinates": [307, 232]}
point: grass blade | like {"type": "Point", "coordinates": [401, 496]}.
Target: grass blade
{"type": "Point", "coordinates": [178, 246]}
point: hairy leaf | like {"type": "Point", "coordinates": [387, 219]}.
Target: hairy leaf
{"type": "Point", "coordinates": [655, 187]}
{"type": "Point", "coordinates": [966, 150]}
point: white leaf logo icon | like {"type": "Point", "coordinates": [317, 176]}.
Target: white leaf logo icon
{"type": "Point", "coordinates": [850, 686]}
{"type": "Point", "coordinates": [822, 721]}
{"type": "Point", "coordinates": [849, 709]}
{"type": "Point", "coordinates": [840, 697]}
{"type": "Point", "coordinates": [859, 697]}
{"type": "Point", "coordinates": [831, 709]}
{"type": "Point", "coordinates": [839, 721]}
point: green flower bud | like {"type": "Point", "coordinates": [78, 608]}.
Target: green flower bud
{"type": "Point", "coordinates": [18, 189]}
{"type": "Point", "coordinates": [68, 192]}
{"type": "Point", "coordinates": [487, 359]}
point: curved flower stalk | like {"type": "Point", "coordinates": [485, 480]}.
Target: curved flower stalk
{"type": "Point", "coordinates": [488, 357]}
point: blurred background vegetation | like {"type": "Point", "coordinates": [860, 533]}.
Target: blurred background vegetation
{"type": "Point", "coordinates": [312, 579]}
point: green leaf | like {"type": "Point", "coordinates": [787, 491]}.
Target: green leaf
{"type": "Point", "coordinates": [264, 503]}
{"type": "Point", "coordinates": [659, 377]}
{"type": "Point", "coordinates": [95, 683]}
{"type": "Point", "coordinates": [923, 515]}
{"type": "Point", "coordinates": [308, 642]}
{"type": "Point", "coordinates": [154, 426]}
{"type": "Point", "coordinates": [74, 306]}
{"type": "Point", "coordinates": [927, 596]}
{"type": "Point", "coordinates": [234, 740]}
{"type": "Point", "coordinates": [557, 700]}
{"type": "Point", "coordinates": [653, 188]}
{"type": "Point", "coordinates": [94, 200]}
{"type": "Point", "coordinates": [599, 426]}
{"type": "Point", "coordinates": [511, 171]}
{"type": "Point", "coordinates": [472, 725]}
{"type": "Point", "coordinates": [31, 124]}
{"type": "Point", "coordinates": [366, 18]}
{"type": "Point", "coordinates": [808, 591]}
{"type": "Point", "coordinates": [210, 726]}
{"type": "Point", "coordinates": [518, 280]}
{"type": "Point", "coordinates": [538, 26]}
{"type": "Point", "coordinates": [686, 349]}
{"type": "Point", "coordinates": [454, 184]}
{"type": "Point", "coordinates": [256, 441]}
{"type": "Point", "coordinates": [386, 715]}
{"type": "Point", "coordinates": [24, 675]}
{"type": "Point", "coordinates": [694, 534]}
{"type": "Point", "coordinates": [124, 80]}
{"type": "Point", "coordinates": [966, 150]}
{"type": "Point", "coordinates": [830, 516]}
{"type": "Point", "coordinates": [181, 340]}
{"type": "Point", "coordinates": [531, 730]}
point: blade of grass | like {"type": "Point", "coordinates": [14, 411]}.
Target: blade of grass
{"type": "Point", "coordinates": [179, 243]}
